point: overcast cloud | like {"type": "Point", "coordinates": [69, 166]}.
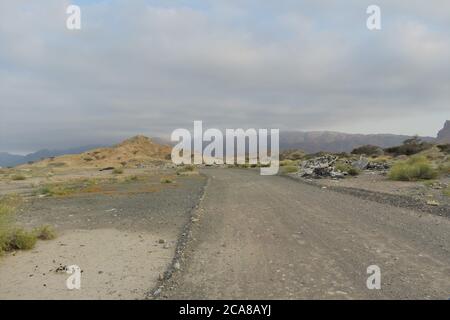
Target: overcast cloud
{"type": "Point", "coordinates": [153, 66]}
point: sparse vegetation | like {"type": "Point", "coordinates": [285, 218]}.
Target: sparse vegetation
{"type": "Point", "coordinates": [444, 167]}
{"type": "Point", "coordinates": [288, 162]}
{"type": "Point", "coordinates": [368, 150]}
{"type": "Point", "coordinates": [16, 238]}
{"type": "Point", "coordinates": [415, 168]}
{"type": "Point", "coordinates": [446, 191]}
{"type": "Point", "coordinates": [117, 171]}
{"type": "Point", "coordinates": [166, 180]}
{"type": "Point", "coordinates": [185, 168]}
{"type": "Point", "coordinates": [290, 169]}
{"type": "Point", "coordinates": [18, 177]}
{"type": "Point", "coordinates": [344, 167]}
{"type": "Point", "coordinates": [445, 148]}
{"type": "Point", "coordinates": [132, 178]}
{"type": "Point", "coordinates": [292, 154]}
{"type": "Point", "coordinates": [409, 147]}
{"type": "Point", "coordinates": [45, 233]}
{"type": "Point", "coordinates": [56, 190]}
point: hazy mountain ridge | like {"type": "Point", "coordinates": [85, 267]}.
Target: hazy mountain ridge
{"type": "Point", "coordinates": [315, 141]}
{"type": "Point", "coordinates": [309, 141]}
{"type": "Point", "coordinates": [11, 160]}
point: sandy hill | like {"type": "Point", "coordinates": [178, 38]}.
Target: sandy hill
{"type": "Point", "coordinates": [134, 152]}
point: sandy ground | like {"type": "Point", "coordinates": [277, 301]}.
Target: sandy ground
{"type": "Point", "coordinates": [123, 236]}
{"type": "Point", "coordinates": [115, 265]}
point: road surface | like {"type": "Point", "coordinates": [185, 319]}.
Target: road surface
{"type": "Point", "coordinates": [261, 237]}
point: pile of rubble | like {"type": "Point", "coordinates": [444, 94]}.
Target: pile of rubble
{"type": "Point", "coordinates": [325, 166]}
{"type": "Point", "coordinates": [320, 167]}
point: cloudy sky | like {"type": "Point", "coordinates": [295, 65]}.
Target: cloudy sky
{"type": "Point", "coordinates": [153, 66]}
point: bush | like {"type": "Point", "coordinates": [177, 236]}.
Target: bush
{"type": "Point", "coordinates": [368, 150]}
{"type": "Point", "coordinates": [444, 168]}
{"type": "Point", "coordinates": [45, 232]}
{"type": "Point", "coordinates": [19, 239]}
{"type": "Point", "coordinates": [18, 177]}
{"type": "Point", "coordinates": [166, 180]}
{"type": "Point", "coordinates": [416, 168]}
{"type": "Point", "coordinates": [185, 168]}
{"type": "Point", "coordinates": [447, 191]}
{"type": "Point", "coordinates": [117, 171]}
{"type": "Point", "coordinates": [409, 147]}
{"type": "Point", "coordinates": [343, 167]}
{"type": "Point", "coordinates": [287, 162]}
{"type": "Point", "coordinates": [290, 169]}
{"type": "Point", "coordinates": [445, 148]}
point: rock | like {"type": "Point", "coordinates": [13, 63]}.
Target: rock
{"type": "Point", "coordinates": [161, 241]}
{"type": "Point", "coordinates": [361, 164]}
{"type": "Point", "coordinates": [319, 167]}
{"type": "Point", "coordinates": [432, 203]}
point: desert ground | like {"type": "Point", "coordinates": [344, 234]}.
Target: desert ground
{"type": "Point", "coordinates": [140, 227]}
{"type": "Point", "coordinates": [122, 234]}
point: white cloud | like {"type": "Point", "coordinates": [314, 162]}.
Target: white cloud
{"type": "Point", "coordinates": [149, 68]}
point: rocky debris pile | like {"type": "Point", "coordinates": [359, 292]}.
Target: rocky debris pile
{"type": "Point", "coordinates": [326, 166]}
{"type": "Point", "coordinates": [364, 164]}
{"type": "Point", "coordinates": [320, 167]}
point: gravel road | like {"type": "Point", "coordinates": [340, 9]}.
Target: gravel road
{"type": "Point", "coordinates": [261, 237]}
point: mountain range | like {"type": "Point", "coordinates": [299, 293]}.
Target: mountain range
{"type": "Point", "coordinates": [310, 142]}
{"type": "Point", "coordinates": [11, 160]}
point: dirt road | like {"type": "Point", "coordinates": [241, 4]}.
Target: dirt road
{"type": "Point", "coordinates": [263, 237]}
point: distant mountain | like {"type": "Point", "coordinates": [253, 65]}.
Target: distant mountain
{"type": "Point", "coordinates": [330, 141]}
{"type": "Point", "coordinates": [444, 134]}
{"type": "Point", "coordinates": [11, 160]}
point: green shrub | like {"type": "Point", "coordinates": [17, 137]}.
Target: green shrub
{"type": "Point", "coordinates": [368, 150]}
{"type": "Point", "coordinates": [18, 177]}
{"type": "Point", "coordinates": [409, 147]}
{"type": "Point", "coordinates": [185, 168]}
{"type": "Point", "coordinates": [445, 148]}
{"type": "Point", "coordinates": [19, 239]}
{"type": "Point", "coordinates": [444, 168]}
{"type": "Point", "coordinates": [416, 168]}
{"type": "Point", "coordinates": [166, 180]}
{"type": "Point", "coordinates": [290, 169]}
{"type": "Point", "coordinates": [287, 162]}
{"type": "Point", "coordinates": [45, 232]}
{"type": "Point", "coordinates": [117, 171]}
{"type": "Point", "coordinates": [446, 191]}
{"type": "Point", "coordinates": [353, 172]}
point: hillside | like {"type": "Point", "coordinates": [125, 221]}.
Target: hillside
{"type": "Point", "coordinates": [133, 152]}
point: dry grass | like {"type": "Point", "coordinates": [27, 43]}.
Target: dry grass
{"type": "Point", "coordinates": [413, 169]}
{"type": "Point", "coordinates": [290, 169]}
{"type": "Point", "coordinates": [166, 180]}
{"type": "Point", "coordinates": [446, 191]}
{"type": "Point", "coordinates": [18, 177]}
{"type": "Point", "coordinates": [45, 233]}
{"type": "Point", "coordinates": [16, 238]}
{"type": "Point", "coordinates": [117, 171]}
